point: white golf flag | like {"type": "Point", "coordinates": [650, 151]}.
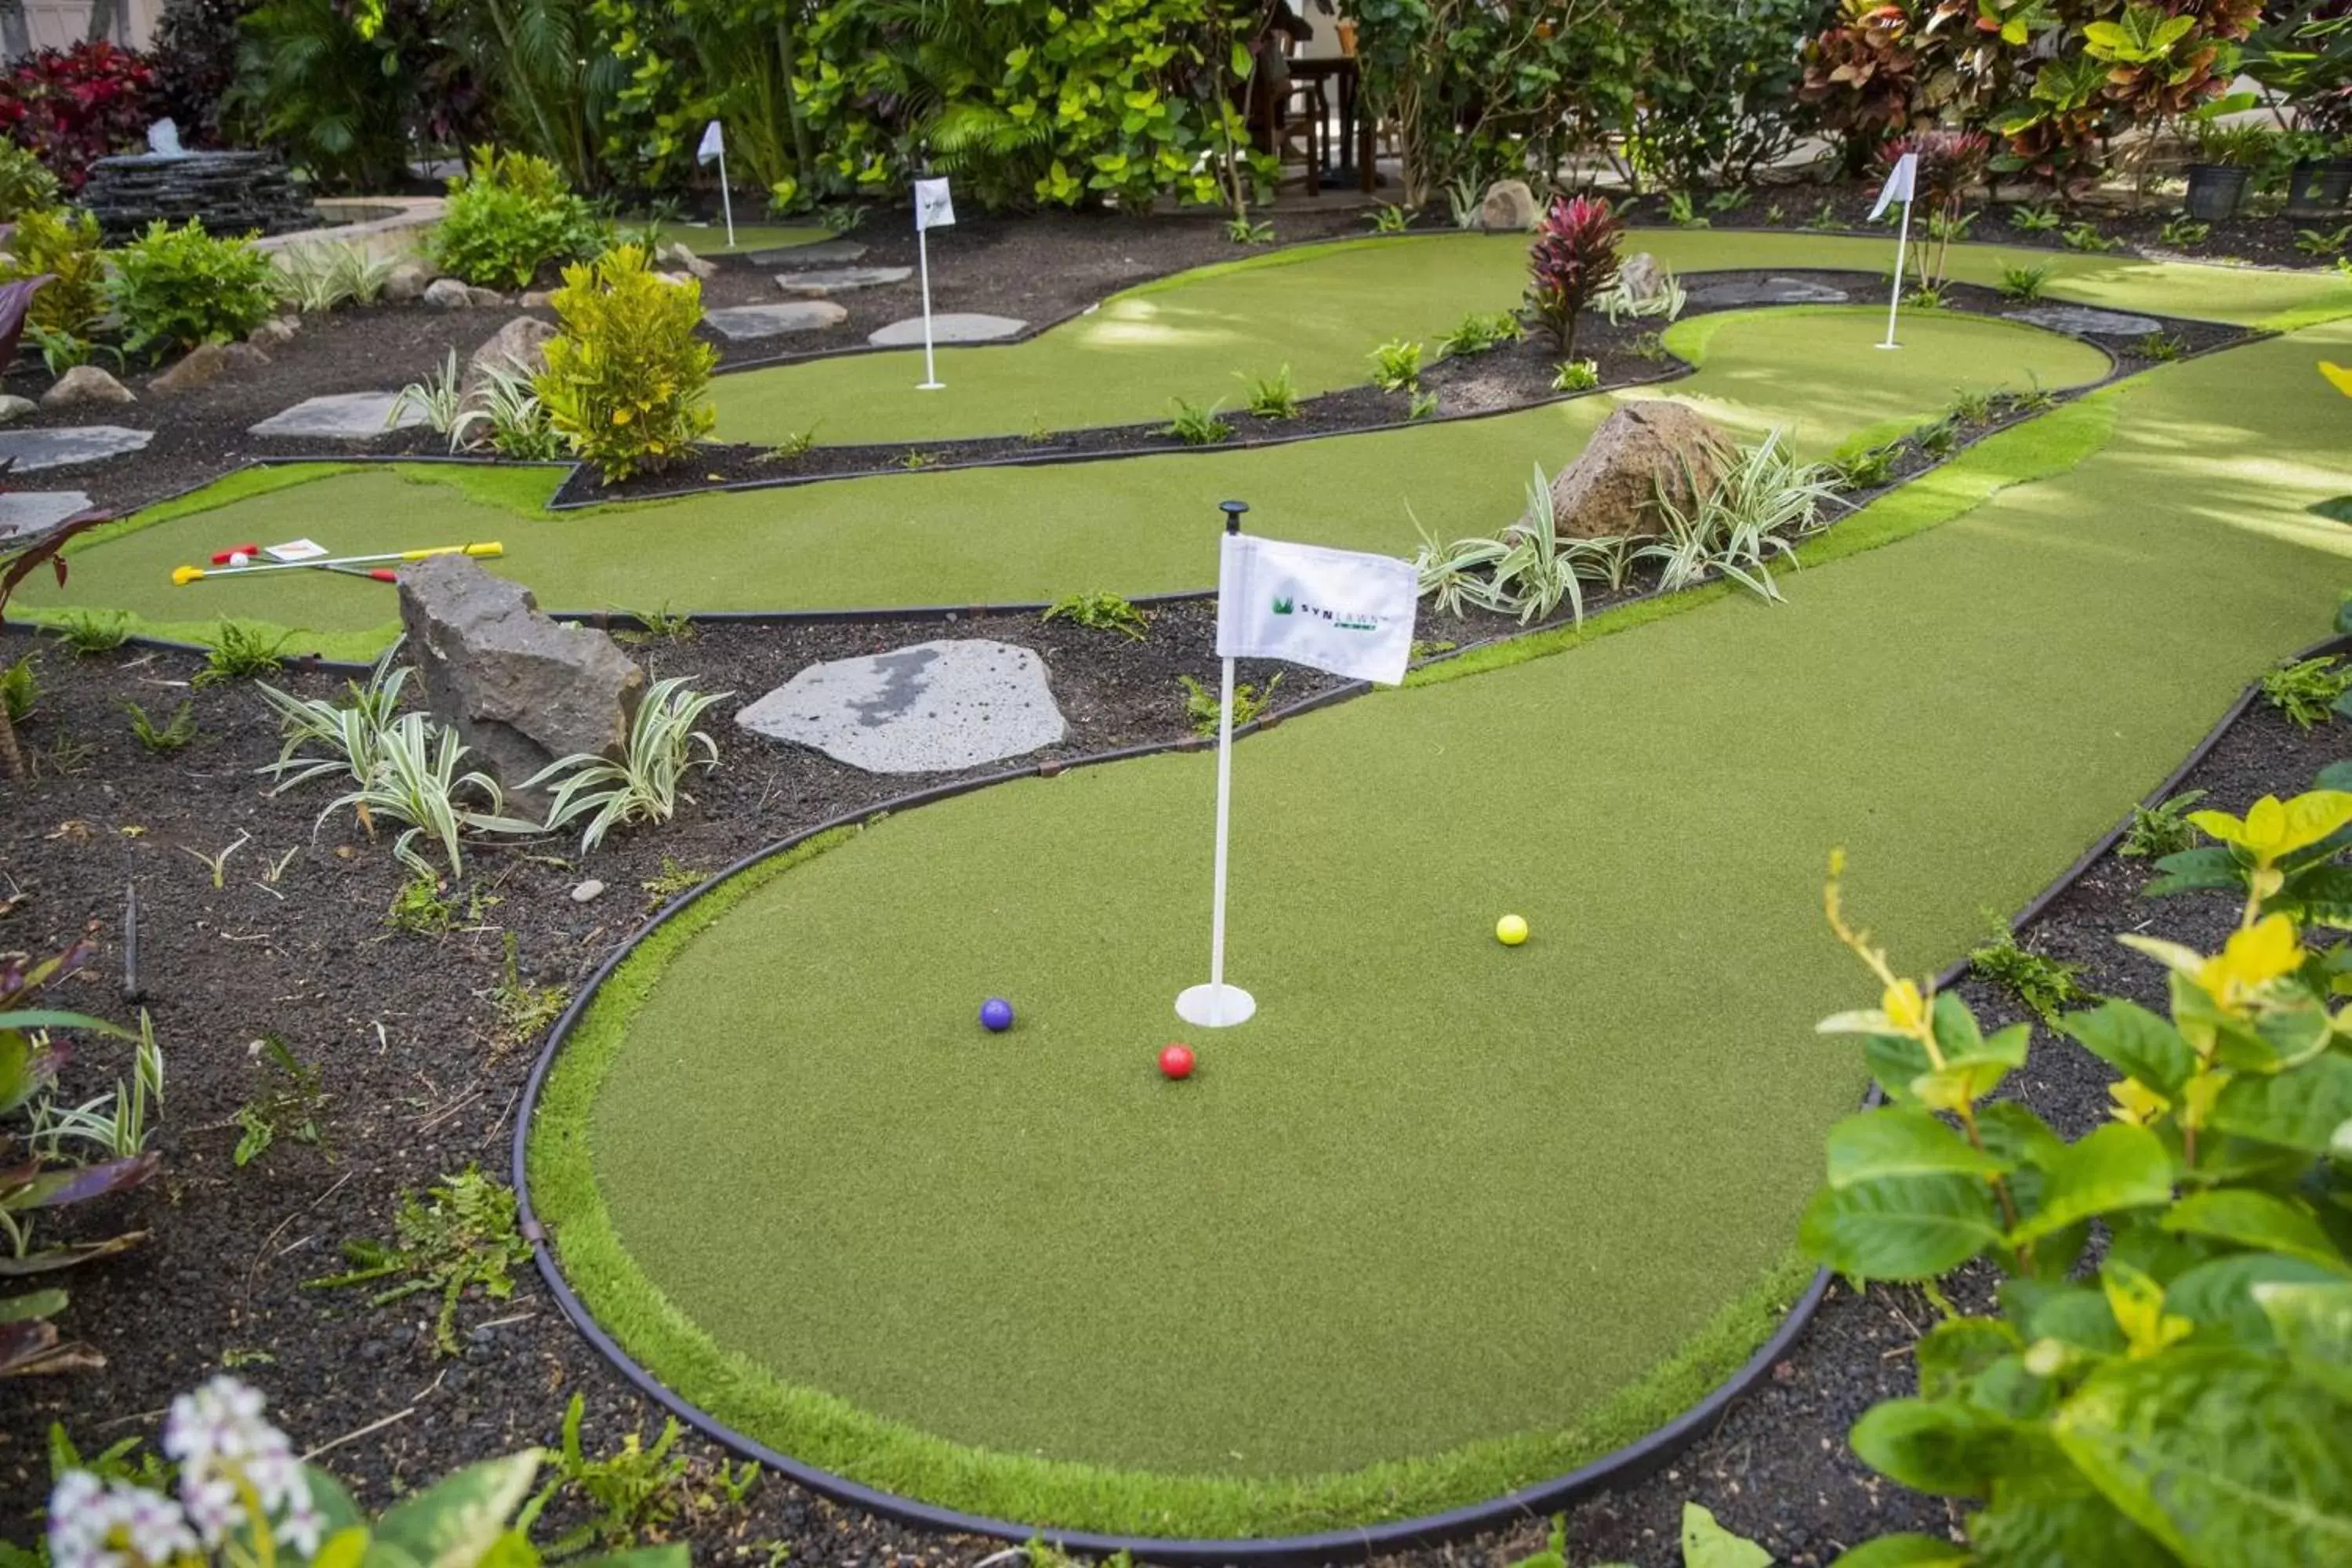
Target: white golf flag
{"type": "Point", "coordinates": [1901, 182]}
{"type": "Point", "coordinates": [933, 207]}
{"type": "Point", "coordinates": [714, 143]}
{"type": "Point", "coordinates": [1339, 610]}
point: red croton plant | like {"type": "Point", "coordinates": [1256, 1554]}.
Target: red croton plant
{"type": "Point", "coordinates": [1573, 258]}
{"type": "Point", "coordinates": [73, 106]}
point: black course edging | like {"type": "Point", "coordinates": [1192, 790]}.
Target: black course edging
{"type": "Point", "coordinates": [1630, 1463]}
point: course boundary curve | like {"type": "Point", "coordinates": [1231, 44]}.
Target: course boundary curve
{"type": "Point", "coordinates": [1630, 1462]}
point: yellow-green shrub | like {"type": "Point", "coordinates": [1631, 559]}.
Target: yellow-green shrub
{"type": "Point", "coordinates": [64, 243]}
{"type": "Point", "coordinates": [626, 385]}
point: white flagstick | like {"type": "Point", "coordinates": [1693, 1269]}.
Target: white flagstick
{"type": "Point", "coordinates": [1217, 1005]}
{"type": "Point", "coordinates": [931, 382]}
{"type": "Point", "coordinates": [1895, 299]}
{"type": "Point", "coordinates": [726, 197]}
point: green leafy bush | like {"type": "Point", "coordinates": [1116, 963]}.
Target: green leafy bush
{"type": "Point", "coordinates": [627, 383]}
{"type": "Point", "coordinates": [2305, 689]}
{"type": "Point", "coordinates": [65, 244]}
{"type": "Point", "coordinates": [2166, 1380]}
{"type": "Point", "coordinates": [1396, 366]}
{"type": "Point", "coordinates": [510, 215]}
{"type": "Point", "coordinates": [2043, 983]}
{"type": "Point", "coordinates": [1196, 424]}
{"type": "Point", "coordinates": [25, 184]}
{"type": "Point", "coordinates": [176, 288]}
{"type": "Point", "coordinates": [1100, 612]}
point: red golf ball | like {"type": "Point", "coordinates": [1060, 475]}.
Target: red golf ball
{"type": "Point", "coordinates": [1176, 1061]}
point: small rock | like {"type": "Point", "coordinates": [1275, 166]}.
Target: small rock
{"type": "Point", "coordinates": [587, 891]}
{"type": "Point", "coordinates": [1642, 278]}
{"type": "Point", "coordinates": [406, 282]}
{"type": "Point", "coordinates": [536, 298]}
{"type": "Point", "coordinates": [201, 367]}
{"type": "Point", "coordinates": [244, 357]}
{"type": "Point", "coordinates": [677, 255]}
{"type": "Point", "coordinates": [271, 334]}
{"type": "Point", "coordinates": [1509, 205]}
{"type": "Point", "coordinates": [482, 1334]}
{"type": "Point", "coordinates": [14, 407]}
{"type": "Point", "coordinates": [520, 346]}
{"type": "Point", "coordinates": [373, 1350]}
{"type": "Point", "coordinates": [485, 299]}
{"type": "Point", "coordinates": [449, 294]}
{"type": "Point", "coordinates": [454, 1379]}
{"type": "Point", "coordinates": [85, 384]}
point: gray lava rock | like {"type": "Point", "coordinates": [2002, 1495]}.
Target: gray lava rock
{"type": "Point", "coordinates": [740, 321]}
{"type": "Point", "coordinates": [85, 384]}
{"type": "Point", "coordinates": [201, 367]}
{"type": "Point", "coordinates": [24, 512]}
{"type": "Point", "coordinates": [1772, 291]}
{"type": "Point", "coordinates": [13, 408]}
{"type": "Point", "coordinates": [522, 690]}
{"type": "Point", "coordinates": [407, 283]}
{"type": "Point", "coordinates": [343, 416]}
{"type": "Point", "coordinates": [930, 707]}
{"type": "Point", "coordinates": [1642, 278]}
{"type": "Point", "coordinates": [273, 334]}
{"type": "Point", "coordinates": [484, 299]}
{"type": "Point", "coordinates": [518, 346]}
{"type": "Point", "coordinates": [952, 327]}
{"type": "Point", "coordinates": [62, 445]}
{"type": "Point", "coordinates": [244, 357]}
{"type": "Point", "coordinates": [680, 255]}
{"type": "Point", "coordinates": [2082, 319]}
{"type": "Point", "coordinates": [825, 282]}
{"type": "Point", "coordinates": [823, 253]}
{"type": "Point", "coordinates": [449, 294]}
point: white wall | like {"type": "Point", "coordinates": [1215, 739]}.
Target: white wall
{"type": "Point", "coordinates": [60, 23]}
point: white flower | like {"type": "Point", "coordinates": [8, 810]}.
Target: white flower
{"type": "Point", "coordinates": [218, 1436]}
{"type": "Point", "coordinates": [113, 1524]}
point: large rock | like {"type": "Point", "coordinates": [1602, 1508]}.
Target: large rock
{"type": "Point", "coordinates": [449, 294]}
{"type": "Point", "coordinates": [1509, 205]}
{"type": "Point", "coordinates": [678, 255]}
{"type": "Point", "coordinates": [201, 367]}
{"type": "Point", "coordinates": [83, 385]}
{"type": "Point", "coordinates": [522, 690]}
{"type": "Point", "coordinates": [520, 346]}
{"type": "Point", "coordinates": [1642, 278]}
{"type": "Point", "coordinates": [1641, 450]}
{"type": "Point", "coordinates": [407, 283]}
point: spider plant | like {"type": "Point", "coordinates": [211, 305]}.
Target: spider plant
{"type": "Point", "coordinates": [1621, 306]}
{"type": "Point", "coordinates": [518, 423]}
{"type": "Point", "coordinates": [416, 781]}
{"type": "Point", "coordinates": [435, 398]}
{"type": "Point", "coordinates": [642, 786]}
{"type": "Point", "coordinates": [353, 731]}
{"type": "Point", "coordinates": [1766, 501]}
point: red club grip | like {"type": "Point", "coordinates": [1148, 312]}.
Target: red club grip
{"type": "Point", "coordinates": [221, 557]}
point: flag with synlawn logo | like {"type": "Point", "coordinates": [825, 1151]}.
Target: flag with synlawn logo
{"type": "Point", "coordinates": [1340, 610]}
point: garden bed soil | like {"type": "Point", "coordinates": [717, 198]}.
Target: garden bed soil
{"type": "Point", "coordinates": [419, 1084]}
{"type": "Point", "coordinates": [1037, 269]}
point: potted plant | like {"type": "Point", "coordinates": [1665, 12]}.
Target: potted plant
{"type": "Point", "coordinates": [2223, 166]}
{"type": "Point", "coordinates": [2319, 181]}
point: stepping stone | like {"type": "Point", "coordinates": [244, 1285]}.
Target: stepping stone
{"type": "Point", "coordinates": [932, 708]}
{"type": "Point", "coordinates": [740, 321]}
{"type": "Point", "coordinates": [839, 280]}
{"type": "Point", "coordinates": [68, 444]}
{"type": "Point", "coordinates": [36, 512]}
{"type": "Point", "coordinates": [1772, 291]}
{"type": "Point", "coordinates": [344, 416]}
{"type": "Point", "coordinates": [952, 327]}
{"type": "Point", "coordinates": [2084, 319]}
{"type": "Point", "coordinates": [823, 253]}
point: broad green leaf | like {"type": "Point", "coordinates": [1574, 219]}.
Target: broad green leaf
{"type": "Point", "coordinates": [1895, 1060]}
{"type": "Point", "coordinates": [2314, 1325]}
{"type": "Point", "coordinates": [1906, 1551]}
{"type": "Point", "coordinates": [2226, 1456]}
{"type": "Point", "coordinates": [2138, 1302]}
{"type": "Point", "coordinates": [382, 1553]}
{"type": "Point", "coordinates": [2259, 1221]}
{"type": "Point", "coordinates": [2015, 1136]}
{"type": "Point", "coordinates": [674, 1556]}
{"type": "Point", "coordinates": [2218, 1295]}
{"type": "Point", "coordinates": [1942, 1447]}
{"type": "Point", "coordinates": [2136, 1042]}
{"type": "Point", "coordinates": [1957, 1349]}
{"type": "Point", "coordinates": [1706, 1544]}
{"type": "Point", "coordinates": [2301, 1107]}
{"type": "Point", "coordinates": [453, 1523]}
{"type": "Point", "coordinates": [1874, 1144]}
{"type": "Point", "coordinates": [345, 1548]}
{"type": "Point", "coordinates": [1904, 1227]}
{"type": "Point", "coordinates": [2209, 870]}
{"type": "Point", "coordinates": [2074, 1315]}
{"type": "Point", "coordinates": [1956, 1085]}
{"type": "Point", "coordinates": [2113, 1167]}
{"type": "Point", "coordinates": [2056, 1519]}
{"type": "Point", "coordinates": [30, 1305]}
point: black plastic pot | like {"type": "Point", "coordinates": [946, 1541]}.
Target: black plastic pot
{"type": "Point", "coordinates": [2318, 187]}
{"type": "Point", "coordinates": [2214, 191]}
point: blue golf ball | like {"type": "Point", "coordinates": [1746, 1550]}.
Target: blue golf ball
{"type": "Point", "coordinates": [996, 1012]}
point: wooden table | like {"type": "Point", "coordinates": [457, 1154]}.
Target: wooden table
{"type": "Point", "coordinates": [1340, 74]}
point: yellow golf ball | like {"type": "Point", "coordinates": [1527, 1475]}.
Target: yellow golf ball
{"type": "Point", "coordinates": [1511, 931]}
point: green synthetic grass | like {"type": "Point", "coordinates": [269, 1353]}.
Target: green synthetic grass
{"type": "Point", "coordinates": [1441, 1200]}
{"type": "Point", "coordinates": [1321, 310]}
{"type": "Point", "coordinates": [1014, 535]}
{"type": "Point", "coordinates": [711, 239]}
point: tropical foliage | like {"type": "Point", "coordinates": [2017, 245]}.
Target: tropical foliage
{"type": "Point", "coordinates": [626, 385]}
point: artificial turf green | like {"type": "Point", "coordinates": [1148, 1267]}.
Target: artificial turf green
{"type": "Point", "coordinates": [1022, 535]}
{"type": "Point", "coordinates": [710, 239]}
{"type": "Point", "coordinates": [1439, 1198]}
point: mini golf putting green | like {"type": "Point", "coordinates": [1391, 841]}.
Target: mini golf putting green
{"type": "Point", "coordinates": [1445, 1218]}
{"type": "Point", "coordinates": [1011, 535]}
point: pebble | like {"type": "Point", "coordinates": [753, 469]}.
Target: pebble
{"type": "Point", "coordinates": [373, 1350]}
{"type": "Point", "coordinates": [587, 891]}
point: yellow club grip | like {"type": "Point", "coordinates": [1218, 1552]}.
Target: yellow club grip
{"type": "Point", "coordinates": [492, 549]}
{"type": "Point", "coordinates": [183, 575]}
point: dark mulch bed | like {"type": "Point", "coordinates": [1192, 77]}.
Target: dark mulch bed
{"type": "Point", "coordinates": [419, 1084]}
{"type": "Point", "coordinates": [1037, 269]}
{"type": "Point", "coordinates": [2262, 237]}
